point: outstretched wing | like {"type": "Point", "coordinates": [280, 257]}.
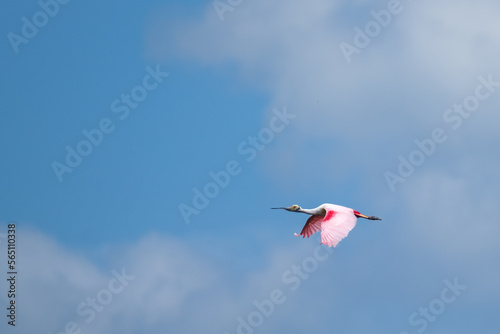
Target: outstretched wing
{"type": "Point", "coordinates": [312, 226]}
{"type": "Point", "coordinates": [336, 226]}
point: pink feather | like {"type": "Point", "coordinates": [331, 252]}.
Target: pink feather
{"type": "Point", "coordinates": [335, 225]}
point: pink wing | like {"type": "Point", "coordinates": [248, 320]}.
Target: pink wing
{"type": "Point", "coordinates": [336, 226]}
{"type": "Point", "coordinates": [312, 226]}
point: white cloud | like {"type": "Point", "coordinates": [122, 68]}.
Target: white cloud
{"type": "Point", "coordinates": [456, 39]}
{"type": "Point", "coordinates": [449, 218]}
{"type": "Point", "coordinates": [364, 113]}
{"type": "Point", "coordinates": [53, 282]}
{"type": "Point", "coordinates": [167, 274]}
{"type": "Point", "coordinates": [452, 218]}
{"type": "Point", "coordinates": [292, 49]}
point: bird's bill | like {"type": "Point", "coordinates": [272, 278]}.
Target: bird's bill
{"type": "Point", "coordinates": [289, 208]}
{"type": "Point", "coordinates": [361, 215]}
{"type": "Point", "coordinates": [284, 208]}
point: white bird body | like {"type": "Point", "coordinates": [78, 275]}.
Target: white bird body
{"type": "Point", "coordinates": [334, 221]}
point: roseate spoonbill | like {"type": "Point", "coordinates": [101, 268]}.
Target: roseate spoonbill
{"type": "Point", "coordinates": [334, 221]}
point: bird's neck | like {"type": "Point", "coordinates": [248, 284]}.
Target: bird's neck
{"type": "Point", "coordinates": [316, 211]}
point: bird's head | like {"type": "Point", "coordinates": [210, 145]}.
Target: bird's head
{"type": "Point", "coordinates": [293, 208]}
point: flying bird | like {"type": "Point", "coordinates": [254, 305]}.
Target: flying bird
{"type": "Point", "coordinates": [334, 221]}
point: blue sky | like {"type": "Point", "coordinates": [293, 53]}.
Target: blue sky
{"type": "Point", "coordinates": [405, 128]}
